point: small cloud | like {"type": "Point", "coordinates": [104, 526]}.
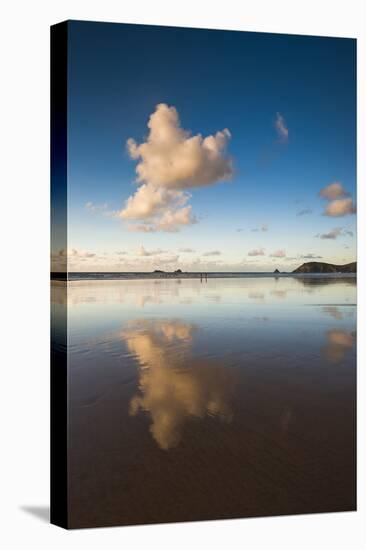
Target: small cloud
{"type": "Point", "coordinates": [256, 252]}
{"type": "Point", "coordinates": [96, 208]}
{"type": "Point", "coordinates": [278, 254]}
{"type": "Point", "coordinates": [187, 250]}
{"type": "Point", "coordinates": [81, 254]}
{"type": "Point", "coordinates": [333, 234]}
{"type": "Point", "coordinates": [169, 260]}
{"type": "Point", "coordinates": [141, 228]}
{"type": "Point", "coordinates": [263, 228]}
{"type": "Point", "coordinates": [333, 191]}
{"type": "Point", "coordinates": [304, 212]}
{"type": "Point", "coordinates": [281, 128]}
{"type": "Point", "coordinates": [310, 257]}
{"type": "Point", "coordinates": [239, 230]}
{"type": "Point", "coordinates": [121, 252]}
{"type": "Point", "coordinates": [143, 252]}
{"type": "Point", "coordinates": [212, 253]}
{"type": "Point", "coordinates": [340, 207]}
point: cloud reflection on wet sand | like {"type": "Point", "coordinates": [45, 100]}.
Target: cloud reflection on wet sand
{"type": "Point", "coordinates": [173, 387]}
{"type": "Point", "coordinates": [339, 343]}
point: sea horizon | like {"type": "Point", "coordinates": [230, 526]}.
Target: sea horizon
{"type": "Point", "coordinates": [126, 275]}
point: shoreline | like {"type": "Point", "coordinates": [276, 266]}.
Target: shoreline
{"type": "Point", "coordinates": [125, 276]}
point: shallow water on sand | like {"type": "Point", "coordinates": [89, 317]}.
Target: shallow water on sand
{"type": "Point", "coordinates": [197, 400]}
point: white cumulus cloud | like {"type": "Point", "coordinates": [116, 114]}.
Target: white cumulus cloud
{"type": "Point", "coordinates": [171, 161]}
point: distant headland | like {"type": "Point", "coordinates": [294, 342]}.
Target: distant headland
{"type": "Point", "coordinates": [323, 267]}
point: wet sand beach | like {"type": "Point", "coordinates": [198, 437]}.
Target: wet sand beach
{"type": "Point", "coordinates": [193, 400]}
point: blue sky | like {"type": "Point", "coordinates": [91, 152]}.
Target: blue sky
{"type": "Point", "coordinates": [288, 103]}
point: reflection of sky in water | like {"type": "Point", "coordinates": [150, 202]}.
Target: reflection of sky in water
{"type": "Point", "coordinates": [237, 395]}
{"type": "Point", "coordinates": [101, 303]}
{"type": "Point", "coordinates": [183, 339]}
{"type": "Point", "coordinates": [294, 290]}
